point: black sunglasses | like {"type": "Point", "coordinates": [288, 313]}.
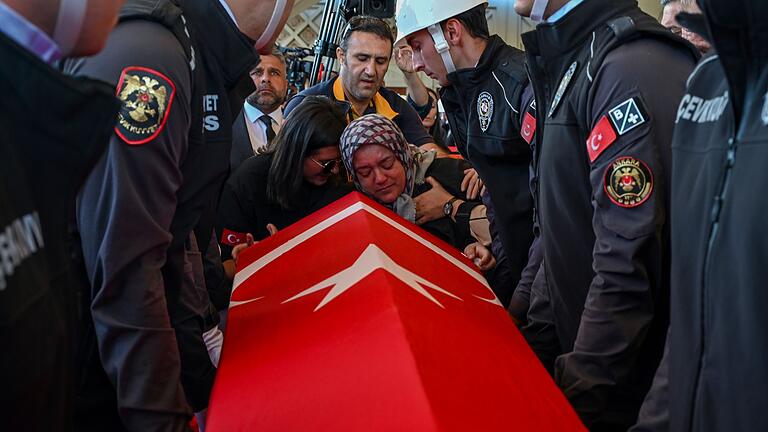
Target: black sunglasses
{"type": "Point", "coordinates": [329, 165]}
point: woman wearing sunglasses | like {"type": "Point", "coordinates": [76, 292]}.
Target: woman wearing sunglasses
{"type": "Point", "coordinates": [389, 170]}
{"type": "Point", "coordinates": [297, 175]}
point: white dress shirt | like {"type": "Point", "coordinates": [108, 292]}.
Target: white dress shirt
{"type": "Point", "coordinates": [257, 130]}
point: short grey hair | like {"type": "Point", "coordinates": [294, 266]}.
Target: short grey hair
{"type": "Point", "coordinates": [275, 52]}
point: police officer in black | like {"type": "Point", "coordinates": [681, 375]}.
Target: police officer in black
{"type": "Point", "coordinates": [482, 81]}
{"type": "Point", "coordinates": [713, 376]}
{"type": "Point", "coordinates": [599, 304]}
{"type": "Point", "coordinates": [178, 66]}
{"type": "Point", "coordinates": [52, 130]}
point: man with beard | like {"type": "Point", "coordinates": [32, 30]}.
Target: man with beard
{"type": "Point", "coordinates": [262, 116]}
{"type": "Point", "coordinates": [364, 54]}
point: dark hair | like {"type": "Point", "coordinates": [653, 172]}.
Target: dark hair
{"type": "Point", "coordinates": [315, 123]}
{"type": "Point", "coordinates": [475, 21]}
{"type": "Point", "coordinates": [366, 24]}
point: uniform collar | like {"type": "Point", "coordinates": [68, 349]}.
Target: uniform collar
{"type": "Point", "coordinates": [553, 39]}
{"type": "Point", "coordinates": [28, 35]}
{"type": "Point", "coordinates": [380, 105]}
{"type": "Point", "coordinates": [563, 11]}
{"type": "Point", "coordinates": [487, 63]}
{"type": "Point", "coordinates": [253, 113]}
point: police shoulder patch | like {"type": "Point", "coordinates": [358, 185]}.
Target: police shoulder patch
{"type": "Point", "coordinates": [626, 116]}
{"type": "Point", "coordinates": [146, 96]}
{"type": "Point", "coordinates": [628, 182]}
{"type": "Point", "coordinates": [484, 110]}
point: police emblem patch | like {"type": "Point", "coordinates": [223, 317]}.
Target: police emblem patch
{"type": "Point", "coordinates": [146, 97]}
{"type": "Point", "coordinates": [626, 116]}
{"type": "Point", "coordinates": [484, 110]}
{"type": "Point", "coordinates": [564, 83]}
{"type": "Point", "coordinates": [628, 182]}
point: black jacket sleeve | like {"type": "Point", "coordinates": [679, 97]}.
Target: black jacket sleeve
{"type": "Point", "coordinates": [124, 213]}
{"type": "Point", "coordinates": [622, 301]}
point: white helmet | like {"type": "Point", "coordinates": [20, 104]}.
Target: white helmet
{"type": "Point", "coordinates": [415, 15]}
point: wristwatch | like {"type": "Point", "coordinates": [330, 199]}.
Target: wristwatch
{"type": "Point", "coordinates": [448, 207]}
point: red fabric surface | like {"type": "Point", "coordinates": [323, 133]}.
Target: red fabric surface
{"type": "Point", "coordinates": [381, 355]}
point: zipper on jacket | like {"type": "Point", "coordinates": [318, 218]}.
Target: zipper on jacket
{"type": "Point", "coordinates": [715, 213]}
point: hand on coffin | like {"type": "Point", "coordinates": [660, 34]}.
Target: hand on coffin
{"type": "Point", "coordinates": [429, 205]}
{"type": "Point", "coordinates": [472, 184]}
{"type": "Point", "coordinates": [480, 255]}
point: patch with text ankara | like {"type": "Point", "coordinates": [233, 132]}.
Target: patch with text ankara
{"type": "Point", "coordinates": [628, 182]}
{"type": "Point", "coordinates": [146, 97]}
{"type": "Point", "coordinates": [626, 116]}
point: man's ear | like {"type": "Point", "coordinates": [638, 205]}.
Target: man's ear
{"type": "Point", "coordinates": [453, 31]}
{"type": "Point", "coordinates": [340, 56]}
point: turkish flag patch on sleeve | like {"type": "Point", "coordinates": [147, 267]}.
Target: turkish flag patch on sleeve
{"type": "Point", "coordinates": [601, 138]}
{"type": "Point", "coordinates": [529, 127]}
{"type": "Point", "coordinates": [146, 96]}
{"type": "Point", "coordinates": [233, 238]}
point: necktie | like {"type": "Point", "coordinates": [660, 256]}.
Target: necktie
{"type": "Point", "coordinates": [267, 120]}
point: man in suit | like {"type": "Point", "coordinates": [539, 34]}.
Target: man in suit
{"type": "Point", "coordinates": [261, 117]}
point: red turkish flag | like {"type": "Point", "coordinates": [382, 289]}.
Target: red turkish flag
{"type": "Point", "coordinates": [353, 319]}
{"type": "Point", "coordinates": [601, 138]}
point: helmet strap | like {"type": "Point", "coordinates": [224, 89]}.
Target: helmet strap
{"type": "Point", "coordinates": [537, 12]}
{"type": "Point", "coordinates": [69, 24]}
{"type": "Point", "coordinates": [272, 29]}
{"type": "Point", "coordinates": [442, 47]}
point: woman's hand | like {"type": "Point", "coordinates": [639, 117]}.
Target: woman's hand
{"type": "Point", "coordinates": [429, 205]}
{"type": "Point", "coordinates": [472, 184]}
{"type": "Point", "coordinates": [480, 255]}
{"type": "Point", "coordinates": [230, 265]}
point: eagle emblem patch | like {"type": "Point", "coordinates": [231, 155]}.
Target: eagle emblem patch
{"type": "Point", "coordinates": [628, 182]}
{"type": "Point", "coordinates": [146, 97]}
{"type": "Point", "coordinates": [484, 110]}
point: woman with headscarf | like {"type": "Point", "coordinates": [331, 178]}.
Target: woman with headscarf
{"type": "Point", "coordinates": [297, 175]}
{"type": "Point", "coordinates": [389, 170]}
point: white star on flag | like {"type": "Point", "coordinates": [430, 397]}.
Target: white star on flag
{"type": "Point", "coordinates": [370, 260]}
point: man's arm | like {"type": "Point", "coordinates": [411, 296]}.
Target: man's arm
{"type": "Point", "coordinates": [124, 213]}
{"type": "Point", "coordinates": [632, 118]}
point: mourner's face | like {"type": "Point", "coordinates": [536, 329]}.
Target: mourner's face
{"type": "Point", "coordinates": [271, 84]}
{"type": "Point", "coordinates": [321, 165]}
{"type": "Point", "coordinates": [364, 65]}
{"type": "Point", "coordinates": [100, 19]}
{"type": "Point", "coordinates": [426, 58]}
{"type": "Point", "coordinates": [379, 172]}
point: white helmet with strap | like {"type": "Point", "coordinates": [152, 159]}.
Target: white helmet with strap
{"type": "Point", "coordinates": [69, 24]}
{"type": "Point", "coordinates": [415, 15]}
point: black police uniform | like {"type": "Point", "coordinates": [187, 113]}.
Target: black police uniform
{"type": "Point", "coordinates": [150, 200]}
{"type": "Point", "coordinates": [385, 102]}
{"type": "Point", "coordinates": [483, 109]}
{"type": "Point", "coordinates": [52, 130]}
{"type": "Point", "coordinates": [599, 304]}
{"type": "Point", "coordinates": [714, 372]}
